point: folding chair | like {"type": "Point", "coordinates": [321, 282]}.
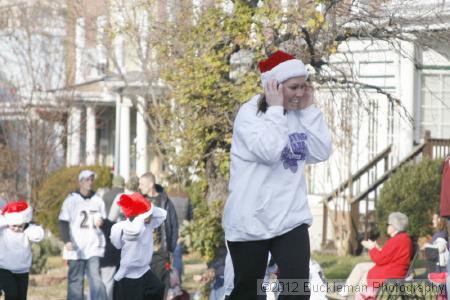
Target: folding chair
{"type": "Point", "coordinates": [432, 256]}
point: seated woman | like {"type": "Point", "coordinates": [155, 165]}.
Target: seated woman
{"type": "Point", "coordinates": [390, 261]}
{"type": "Point", "coordinates": [436, 250]}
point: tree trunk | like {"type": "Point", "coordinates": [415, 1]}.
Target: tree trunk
{"type": "Point", "coordinates": [217, 184]}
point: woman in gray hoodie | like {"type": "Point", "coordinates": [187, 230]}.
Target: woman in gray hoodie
{"type": "Point", "coordinates": [274, 136]}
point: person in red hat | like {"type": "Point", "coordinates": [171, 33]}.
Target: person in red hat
{"type": "Point", "coordinates": [275, 135]}
{"type": "Point", "coordinates": [16, 233]}
{"type": "Point", "coordinates": [134, 236]}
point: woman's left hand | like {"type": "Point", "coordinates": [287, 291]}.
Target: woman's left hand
{"type": "Point", "coordinates": [308, 96]}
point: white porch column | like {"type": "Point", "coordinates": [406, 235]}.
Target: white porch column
{"type": "Point", "coordinates": [124, 165]}
{"type": "Point", "coordinates": [141, 138]}
{"type": "Point", "coordinates": [407, 88]}
{"type": "Point", "coordinates": [73, 137]}
{"type": "Point", "coordinates": [117, 136]}
{"type": "Point", "coordinates": [58, 143]}
{"type": "Point", "coordinates": [90, 135]}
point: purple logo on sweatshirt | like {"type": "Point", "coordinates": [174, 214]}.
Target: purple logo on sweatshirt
{"type": "Point", "coordinates": [294, 151]}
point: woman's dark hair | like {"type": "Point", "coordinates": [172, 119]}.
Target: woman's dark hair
{"type": "Point", "coordinates": [262, 104]}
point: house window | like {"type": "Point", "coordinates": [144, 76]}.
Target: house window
{"type": "Point", "coordinates": [435, 104]}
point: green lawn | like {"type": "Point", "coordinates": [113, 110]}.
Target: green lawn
{"type": "Point", "coordinates": [334, 267]}
{"type": "Point", "coordinates": [339, 267]}
{"type": "Point", "coordinates": [53, 284]}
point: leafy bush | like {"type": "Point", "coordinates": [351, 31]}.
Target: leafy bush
{"type": "Point", "coordinates": [204, 234]}
{"type": "Point", "coordinates": [197, 192]}
{"type": "Point", "coordinates": [40, 256]}
{"type": "Point", "coordinates": [49, 246]}
{"type": "Point", "coordinates": [50, 195]}
{"type": "Point", "coordinates": [52, 245]}
{"type": "Point", "coordinates": [413, 190]}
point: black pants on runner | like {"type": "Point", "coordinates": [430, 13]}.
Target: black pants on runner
{"type": "Point", "coordinates": [291, 253]}
{"type": "Point", "coordinates": [14, 286]}
{"type": "Point", "coordinates": [160, 260]}
{"type": "Point", "coordinates": [147, 287]}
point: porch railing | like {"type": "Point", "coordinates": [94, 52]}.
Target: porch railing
{"type": "Point", "coordinates": [364, 186]}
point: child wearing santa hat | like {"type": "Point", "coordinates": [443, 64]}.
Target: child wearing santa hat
{"type": "Point", "coordinates": [134, 236]}
{"type": "Point", "coordinates": [275, 135]}
{"type": "Point", "coordinates": [16, 233]}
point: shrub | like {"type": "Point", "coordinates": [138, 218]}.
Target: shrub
{"type": "Point", "coordinates": [197, 192]}
{"type": "Point", "coordinates": [52, 245]}
{"type": "Point", "coordinates": [204, 234]}
{"type": "Point", "coordinates": [49, 246]}
{"type": "Point", "coordinates": [50, 195]}
{"type": "Point", "coordinates": [413, 190]}
{"type": "Point", "coordinates": [40, 256]}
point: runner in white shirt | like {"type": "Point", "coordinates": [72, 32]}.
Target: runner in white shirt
{"type": "Point", "coordinates": [134, 236]}
{"type": "Point", "coordinates": [16, 233]}
{"type": "Point", "coordinates": [81, 216]}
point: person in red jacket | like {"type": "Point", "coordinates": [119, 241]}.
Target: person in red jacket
{"type": "Point", "coordinates": [445, 188]}
{"type": "Point", "coordinates": [390, 261]}
{"type": "Point", "coordinates": [445, 204]}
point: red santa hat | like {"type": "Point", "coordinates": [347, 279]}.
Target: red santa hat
{"type": "Point", "coordinates": [134, 205]}
{"type": "Point", "coordinates": [17, 212]}
{"type": "Point", "coordinates": [281, 66]}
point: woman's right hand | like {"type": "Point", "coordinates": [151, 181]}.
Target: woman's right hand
{"type": "Point", "coordinates": [368, 244]}
{"type": "Point", "coordinates": [274, 93]}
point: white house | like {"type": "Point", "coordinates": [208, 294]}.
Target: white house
{"type": "Point", "coordinates": [32, 35]}
{"type": "Point", "coordinates": [415, 72]}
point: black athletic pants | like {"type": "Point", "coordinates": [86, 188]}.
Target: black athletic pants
{"type": "Point", "coordinates": [14, 286]}
{"type": "Point", "coordinates": [291, 253]}
{"type": "Point", "coordinates": [147, 287]}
